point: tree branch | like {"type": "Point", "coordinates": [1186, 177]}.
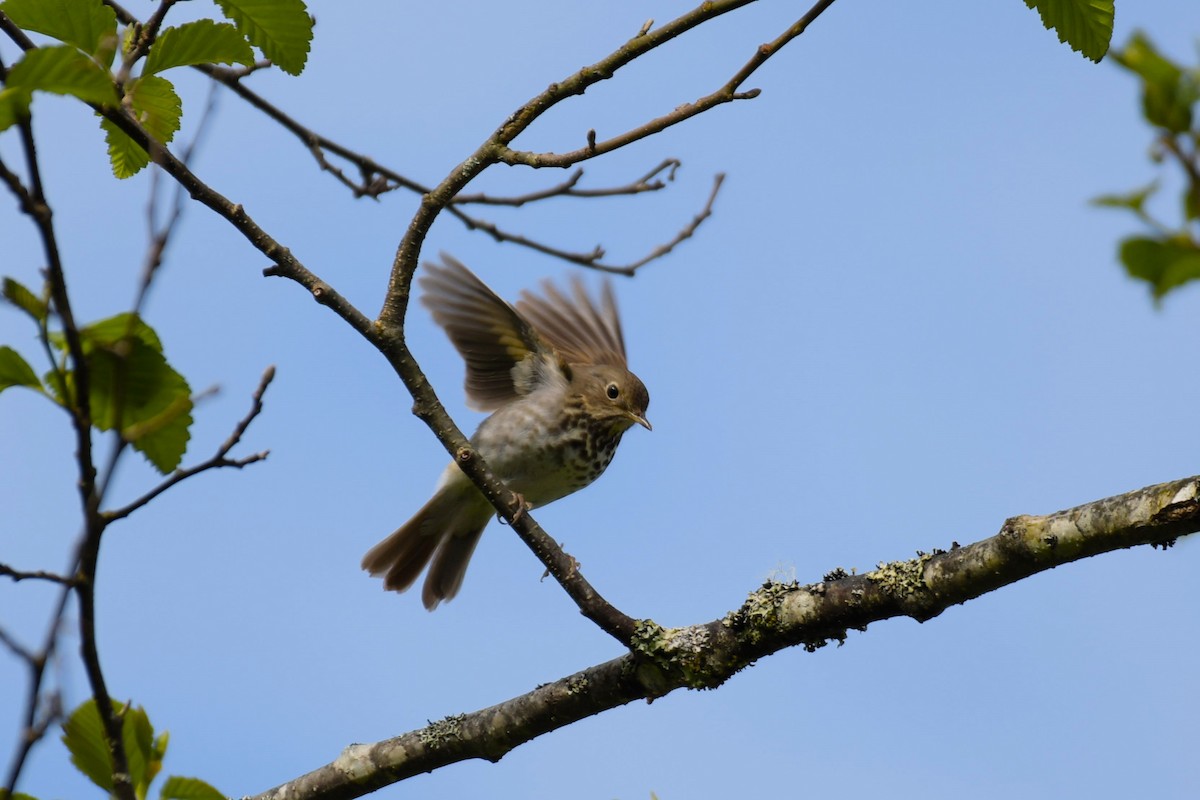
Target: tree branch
{"type": "Point", "coordinates": [33, 729]}
{"type": "Point", "coordinates": [580, 81]}
{"type": "Point", "coordinates": [775, 617]}
{"type": "Point", "coordinates": [218, 461]}
{"type": "Point", "coordinates": [387, 332]}
{"type": "Point", "coordinates": [37, 574]}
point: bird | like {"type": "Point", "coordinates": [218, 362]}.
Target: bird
{"type": "Point", "coordinates": [552, 370]}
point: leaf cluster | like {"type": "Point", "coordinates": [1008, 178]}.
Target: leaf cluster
{"type": "Point", "coordinates": [83, 735]}
{"type": "Point", "coordinates": [82, 66]}
{"type": "Point", "coordinates": [131, 387]}
{"type": "Point", "coordinates": [1167, 256]}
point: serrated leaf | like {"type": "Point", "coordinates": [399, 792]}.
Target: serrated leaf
{"type": "Point", "coordinates": [1134, 200]}
{"type": "Point", "coordinates": [199, 42]}
{"type": "Point", "coordinates": [16, 293]}
{"type": "Point", "coordinates": [177, 787]}
{"type": "Point", "coordinates": [83, 735]}
{"type": "Point", "coordinates": [63, 70]}
{"type": "Point", "coordinates": [14, 107]}
{"type": "Point", "coordinates": [1165, 265]}
{"type": "Point", "coordinates": [133, 389]}
{"type": "Point", "coordinates": [138, 735]}
{"type": "Point", "coordinates": [126, 156]}
{"type": "Point", "coordinates": [163, 438]}
{"type": "Point", "coordinates": [88, 25]}
{"type": "Point", "coordinates": [121, 326]}
{"type": "Point", "coordinates": [282, 29]}
{"type": "Point", "coordinates": [158, 108]}
{"type": "Point", "coordinates": [15, 371]}
{"type": "Point", "coordinates": [1085, 25]}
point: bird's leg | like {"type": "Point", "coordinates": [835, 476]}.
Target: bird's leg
{"type": "Point", "coordinates": [519, 507]}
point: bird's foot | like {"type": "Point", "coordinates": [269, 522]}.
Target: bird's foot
{"type": "Point", "coordinates": [518, 503]}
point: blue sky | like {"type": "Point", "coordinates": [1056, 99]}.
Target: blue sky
{"type": "Point", "coordinates": [902, 325]}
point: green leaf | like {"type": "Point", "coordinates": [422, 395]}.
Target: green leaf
{"type": "Point", "coordinates": [63, 70]}
{"type": "Point", "coordinates": [15, 371]}
{"type": "Point", "coordinates": [199, 42]}
{"type": "Point", "coordinates": [134, 390]}
{"type": "Point", "coordinates": [1134, 200]}
{"type": "Point", "coordinates": [180, 788]}
{"type": "Point", "coordinates": [1165, 265]}
{"type": "Point", "coordinates": [138, 735]}
{"type": "Point", "coordinates": [1191, 201]}
{"type": "Point", "coordinates": [83, 734]}
{"type": "Point", "coordinates": [1168, 92]}
{"type": "Point", "coordinates": [124, 154]}
{"type": "Point", "coordinates": [14, 106]}
{"type": "Point", "coordinates": [282, 29]}
{"type": "Point", "coordinates": [1085, 25]}
{"type": "Point", "coordinates": [88, 25]}
{"type": "Point", "coordinates": [22, 298]}
{"type": "Point", "coordinates": [158, 108]}
{"type": "Point", "coordinates": [157, 755]}
{"type": "Point", "coordinates": [121, 326]}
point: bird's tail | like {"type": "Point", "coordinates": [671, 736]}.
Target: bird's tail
{"type": "Point", "coordinates": [445, 531]}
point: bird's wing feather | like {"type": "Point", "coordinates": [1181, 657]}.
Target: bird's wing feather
{"type": "Point", "coordinates": [578, 328]}
{"type": "Point", "coordinates": [505, 356]}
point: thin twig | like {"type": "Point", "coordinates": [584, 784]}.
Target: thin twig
{"type": "Point", "coordinates": [592, 260]}
{"type": "Point", "coordinates": [79, 402]}
{"type": "Point", "coordinates": [569, 188]}
{"type": "Point", "coordinates": [727, 93]}
{"type": "Point", "coordinates": [146, 36]}
{"type": "Point", "coordinates": [377, 179]}
{"type": "Point", "coordinates": [685, 233]}
{"type": "Point", "coordinates": [218, 461]}
{"type": "Point", "coordinates": [36, 574]}
{"type": "Point", "coordinates": [18, 649]}
{"type": "Point", "coordinates": [32, 730]}
{"type": "Point", "coordinates": [160, 236]}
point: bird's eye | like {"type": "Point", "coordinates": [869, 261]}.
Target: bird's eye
{"type": "Point", "coordinates": [613, 391]}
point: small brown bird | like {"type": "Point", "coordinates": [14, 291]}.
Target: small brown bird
{"type": "Point", "coordinates": [553, 371]}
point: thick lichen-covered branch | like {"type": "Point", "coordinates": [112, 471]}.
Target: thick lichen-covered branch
{"type": "Point", "coordinates": [774, 617]}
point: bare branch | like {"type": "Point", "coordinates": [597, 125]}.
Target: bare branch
{"type": "Point", "coordinates": [160, 235]}
{"type": "Point", "coordinates": [775, 617]}
{"type": "Point", "coordinates": [569, 188]}
{"type": "Point", "coordinates": [37, 575]}
{"type": "Point", "coordinates": [33, 728]}
{"type": "Point", "coordinates": [218, 461]}
{"type": "Point", "coordinates": [387, 332]}
{"type": "Point", "coordinates": [585, 77]}
{"type": "Point", "coordinates": [18, 649]}
{"type": "Point", "coordinates": [685, 233]}
{"type": "Point", "coordinates": [593, 259]}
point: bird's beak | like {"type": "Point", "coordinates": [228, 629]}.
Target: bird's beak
{"type": "Point", "coordinates": [640, 420]}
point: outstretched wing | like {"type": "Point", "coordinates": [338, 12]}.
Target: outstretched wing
{"type": "Point", "coordinates": [581, 330]}
{"type": "Point", "coordinates": [505, 356]}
